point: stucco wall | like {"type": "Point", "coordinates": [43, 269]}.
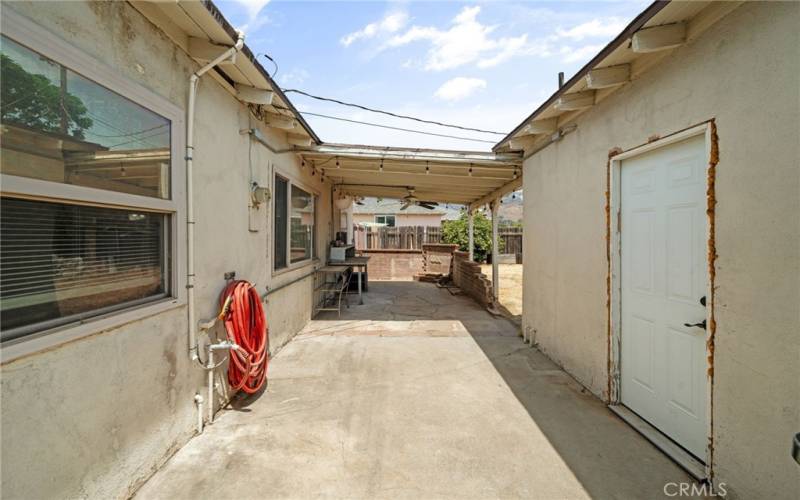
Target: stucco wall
{"type": "Point", "coordinates": [95, 417]}
{"type": "Point", "coordinates": [745, 73]}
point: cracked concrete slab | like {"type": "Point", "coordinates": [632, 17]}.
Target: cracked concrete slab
{"type": "Point", "coordinates": [434, 407]}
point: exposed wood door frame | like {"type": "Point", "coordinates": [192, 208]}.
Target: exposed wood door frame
{"type": "Point", "coordinates": [707, 129]}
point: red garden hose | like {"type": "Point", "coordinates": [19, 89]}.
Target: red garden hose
{"type": "Point", "coordinates": [247, 327]}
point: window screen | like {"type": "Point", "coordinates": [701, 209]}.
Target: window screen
{"type": "Point", "coordinates": [281, 206]}
{"type": "Point", "coordinates": [60, 263]}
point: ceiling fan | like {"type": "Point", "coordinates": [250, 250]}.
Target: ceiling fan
{"type": "Point", "coordinates": [410, 199]}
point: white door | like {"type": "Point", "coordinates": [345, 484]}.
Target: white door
{"type": "Point", "coordinates": [664, 277]}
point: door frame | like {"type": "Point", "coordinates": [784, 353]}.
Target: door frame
{"type": "Point", "coordinates": [708, 129]}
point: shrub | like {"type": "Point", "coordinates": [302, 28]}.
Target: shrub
{"type": "Point", "coordinates": [457, 232]}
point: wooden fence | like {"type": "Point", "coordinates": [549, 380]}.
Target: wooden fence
{"type": "Point", "coordinates": [512, 239]}
{"type": "Point", "coordinates": [396, 238]}
{"type": "Point", "coordinates": [413, 237]}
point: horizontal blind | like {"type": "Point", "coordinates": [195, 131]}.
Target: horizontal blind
{"type": "Point", "coordinates": [61, 262]}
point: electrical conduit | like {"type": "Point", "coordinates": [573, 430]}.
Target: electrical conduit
{"type": "Point", "coordinates": [228, 54]}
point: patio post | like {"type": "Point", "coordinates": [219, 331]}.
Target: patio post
{"type": "Point", "coordinates": [495, 250]}
{"type": "Point", "coordinates": [349, 222]}
{"type": "Point", "coordinates": [471, 232]}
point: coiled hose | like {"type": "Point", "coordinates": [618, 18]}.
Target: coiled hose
{"type": "Point", "coordinates": [246, 326]}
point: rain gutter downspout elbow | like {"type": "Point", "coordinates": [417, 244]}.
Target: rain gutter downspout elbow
{"type": "Point", "coordinates": [230, 53]}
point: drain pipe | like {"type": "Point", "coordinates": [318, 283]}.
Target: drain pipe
{"type": "Point", "coordinates": [228, 54]}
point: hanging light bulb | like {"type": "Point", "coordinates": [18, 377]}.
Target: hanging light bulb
{"type": "Point", "coordinates": [470, 169]}
{"type": "Point", "coordinates": [303, 164]}
{"type": "Point", "coordinates": [427, 168]}
{"type": "Point", "coordinates": [515, 173]}
{"type": "Point", "coordinates": [337, 162]}
{"type": "Point", "coordinates": [381, 167]}
{"type": "Point", "coordinates": [313, 168]}
{"type": "Point", "coordinates": [122, 170]}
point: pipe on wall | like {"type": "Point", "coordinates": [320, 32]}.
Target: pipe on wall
{"type": "Point", "coordinates": [228, 54]}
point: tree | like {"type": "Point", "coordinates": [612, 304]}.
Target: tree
{"type": "Point", "coordinates": [34, 101]}
{"type": "Point", "coordinates": [457, 232]}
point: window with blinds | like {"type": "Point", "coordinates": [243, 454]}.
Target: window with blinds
{"type": "Point", "coordinates": [61, 263]}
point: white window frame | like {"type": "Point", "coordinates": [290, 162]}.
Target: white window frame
{"type": "Point", "coordinates": [29, 34]}
{"type": "Point", "coordinates": [393, 216]}
{"type": "Point", "coordinates": [293, 181]}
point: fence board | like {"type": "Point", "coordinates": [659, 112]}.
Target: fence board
{"type": "Point", "coordinates": [413, 237]}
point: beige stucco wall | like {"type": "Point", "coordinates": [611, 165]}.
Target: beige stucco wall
{"type": "Point", "coordinates": [402, 220]}
{"type": "Point", "coordinates": [745, 73]}
{"type": "Point", "coordinates": [95, 417]}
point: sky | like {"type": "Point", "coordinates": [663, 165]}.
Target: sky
{"type": "Point", "coordinates": [484, 65]}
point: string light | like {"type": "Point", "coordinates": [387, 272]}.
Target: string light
{"type": "Point", "coordinates": [313, 168]}
{"type": "Point", "coordinates": [515, 173]}
{"type": "Point", "coordinates": [381, 167]}
{"type": "Point", "coordinates": [337, 162]}
{"type": "Point", "coordinates": [470, 169]}
{"type": "Point", "coordinates": [427, 168]}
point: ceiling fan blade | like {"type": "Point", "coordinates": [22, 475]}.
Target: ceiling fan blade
{"type": "Point", "coordinates": [405, 205]}
{"type": "Point", "coordinates": [432, 203]}
{"type": "Point", "coordinates": [427, 205]}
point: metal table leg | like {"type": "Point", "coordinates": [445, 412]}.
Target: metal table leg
{"type": "Point", "coordinates": [360, 274]}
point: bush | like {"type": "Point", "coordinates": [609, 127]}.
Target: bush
{"type": "Point", "coordinates": [457, 232]}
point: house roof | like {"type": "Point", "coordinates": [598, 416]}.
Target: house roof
{"type": "Point", "coordinates": [622, 61]}
{"type": "Point", "coordinates": [196, 25]}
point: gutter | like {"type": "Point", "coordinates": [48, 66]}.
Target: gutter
{"type": "Point", "coordinates": [627, 33]}
{"type": "Point", "coordinates": [231, 31]}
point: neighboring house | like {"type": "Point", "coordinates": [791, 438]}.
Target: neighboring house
{"type": "Point", "coordinates": [662, 189]}
{"type": "Point", "coordinates": [387, 212]}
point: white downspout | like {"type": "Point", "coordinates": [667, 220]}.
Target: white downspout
{"type": "Point", "coordinates": [495, 251]}
{"type": "Point", "coordinates": [228, 54]}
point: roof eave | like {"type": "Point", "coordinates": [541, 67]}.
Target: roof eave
{"type": "Point", "coordinates": [629, 30]}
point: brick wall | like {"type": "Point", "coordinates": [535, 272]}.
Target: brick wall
{"type": "Point", "coordinates": [468, 277]}
{"type": "Point", "coordinates": [437, 257]}
{"type": "Point", "coordinates": [397, 265]}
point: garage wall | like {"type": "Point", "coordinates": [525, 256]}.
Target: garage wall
{"type": "Point", "coordinates": [96, 416]}
{"type": "Point", "coordinates": [744, 72]}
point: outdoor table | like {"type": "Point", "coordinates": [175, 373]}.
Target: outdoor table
{"type": "Point", "coordinates": [357, 262]}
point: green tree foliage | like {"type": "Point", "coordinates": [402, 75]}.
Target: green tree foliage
{"type": "Point", "coordinates": [36, 102]}
{"type": "Point", "coordinates": [457, 232]}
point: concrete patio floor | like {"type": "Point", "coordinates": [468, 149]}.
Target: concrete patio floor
{"type": "Point", "coordinates": [415, 394]}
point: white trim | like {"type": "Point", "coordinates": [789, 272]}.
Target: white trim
{"type": "Point", "coordinates": [49, 339]}
{"type": "Point", "coordinates": [26, 187]}
{"type": "Point", "coordinates": [37, 38]}
{"type": "Point", "coordinates": [615, 246]}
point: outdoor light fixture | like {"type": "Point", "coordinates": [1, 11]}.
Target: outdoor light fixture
{"type": "Point", "coordinates": [303, 164]}
{"type": "Point", "coordinates": [470, 169]}
{"type": "Point", "coordinates": [313, 168]}
{"type": "Point", "coordinates": [337, 162]}
{"type": "Point", "coordinates": [515, 173]}
{"type": "Point", "coordinates": [427, 168]}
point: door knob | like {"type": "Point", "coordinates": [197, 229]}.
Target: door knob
{"type": "Point", "coordinates": [702, 325]}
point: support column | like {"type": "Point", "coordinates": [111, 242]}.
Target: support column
{"type": "Point", "coordinates": [495, 251]}
{"type": "Point", "coordinates": [349, 222]}
{"type": "Point", "coordinates": [471, 232]}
